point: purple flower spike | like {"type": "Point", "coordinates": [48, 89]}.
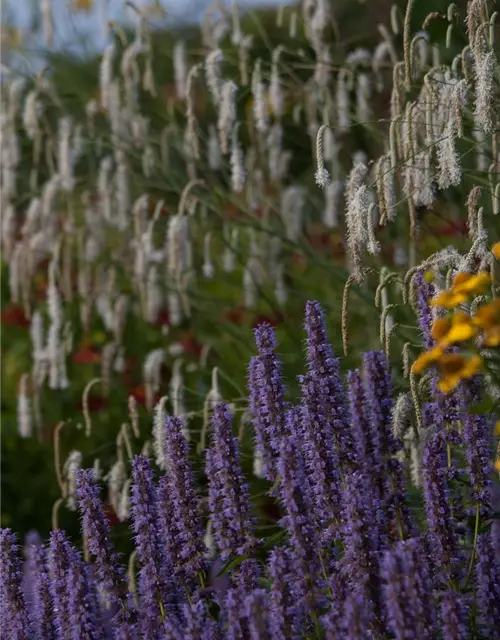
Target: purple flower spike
{"type": "Point", "coordinates": [425, 292]}
{"type": "Point", "coordinates": [188, 536]}
{"type": "Point", "coordinates": [297, 521]}
{"type": "Point", "coordinates": [60, 559]}
{"type": "Point", "coordinates": [266, 398]}
{"type": "Point", "coordinates": [84, 614]}
{"type": "Point", "coordinates": [326, 396]}
{"type": "Point", "coordinates": [155, 594]}
{"type": "Point", "coordinates": [357, 413]}
{"type": "Point", "coordinates": [454, 616]}
{"type": "Point", "coordinates": [228, 496]}
{"type": "Point", "coordinates": [284, 620]}
{"type": "Point", "coordinates": [386, 469]}
{"type": "Point", "coordinates": [39, 589]}
{"type": "Point", "coordinates": [198, 625]}
{"type": "Point", "coordinates": [437, 505]}
{"type": "Point", "coordinates": [488, 586]}
{"type": "Point", "coordinates": [13, 612]}
{"type": "Point", "coordinates": [478, 452]}
{"type": "Point", "coordinates": [256, 605]}
{"type": "Point", "coordinates": [408, 592]}
{"type": "Point", "coordinates": [356, 618]}
{"type": "Point", "coordinates": [110, 572]}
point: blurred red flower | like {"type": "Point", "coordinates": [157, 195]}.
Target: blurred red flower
{"type": "Point", "coordinates": [13, 314]}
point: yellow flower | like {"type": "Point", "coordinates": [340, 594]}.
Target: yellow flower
{"type": "Point", "coordinates": [487, 318]}
{"type": "Point", "coordinates": [497, 428]}
{"type": "Point", "coordinates": [464, 284]}
{"type": "Point", "coordinates": [82, 5]}
{"type": "Point", "coordinates": [425, 360]}
{"type": "Point", "coordinates": [495, 250]}
{"type": "Point", "coordinates": [497, 465]}
{"type": "Point", "coordinates": [429, 276]}
{"type": "Point", "coordinates": [453, 367]}
{"type": "Point", "coordinates": [461, 329]}
{"type": "Point", "coordinates": [440, 328]}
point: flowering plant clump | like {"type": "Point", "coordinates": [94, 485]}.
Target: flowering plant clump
{"type": "Point", "coordinates": [371, 541]}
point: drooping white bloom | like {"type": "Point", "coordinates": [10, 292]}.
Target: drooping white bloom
{"type": "Point", "coordinates": [237, 164]}
{"type": "Point", "coordinates": [275, 88]}
{"type": "Point", "coordinates": [106, 75]}
{"type": "Point", "coordinates": [71, 466]}
{"type": "Point", "coordinates": [31, 114]}
{"type": "Point", "coordinates": [180, 69]}
{"type": "Point", "coordinates": [116, 479]}
{"type": "Point", "coordinates": [227, 114]}
{"type": "Point", "coordinates": [331, 211]}
{"type": "Point", "coordinates": [260, 109]}
{"type": "Point", "coordinates": [214, 151]}
{"type": "Point", "coordinates": [47, 21]}
{"type": "Point", "coordinates": [292, 204]}
{"type": "Point", "coordinates": [208, 268]}
{"type": "Point", "coordinates": [450, 172]}
{"type": "Point", "coordinates": [343, 102]}
{"type": "Point", "coordinates": [484, 107]}
{"type": "Point", "coordinates": [152, 374]}
{"type": "Point", "coordinates": [24, 421]}
{"type": "Point", "coordinates": [363, 97]}
{"type": "Point", "coordinates": [230, 252]}
{"type": "Point", "coordinates": [213, 74]}
{"type": "Point", "coordinates": [158, 430]}
{"type": "Point", "coordinates": [64, 155]}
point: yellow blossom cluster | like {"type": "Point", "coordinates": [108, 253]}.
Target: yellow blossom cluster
{"type": "Point", "coordinates": [460, 327]}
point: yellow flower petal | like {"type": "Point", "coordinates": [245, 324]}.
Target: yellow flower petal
{"type": "Point", "coordinates": [429, 275]}
{"type": "Point", "coordinates": [475, 284]}
{"type": "Point", "coordinates": [497, 465]}
{"type": "Point", "coordinates": [497, 428]}
{"type": "Point", "coordinates": [459, 333]}
{"type": "Point", "coordinates": [440, 328]}
{"type": "Point", "coordinates": [449, 299]}
{"type": "Point", "coordinates": [495, 250]}
{"type": "Point", "coordinates": [425, 360]}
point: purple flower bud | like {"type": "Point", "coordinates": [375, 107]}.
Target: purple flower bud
{"type": "Point", "coordinates": [425, 292]}
{"type": "Point", "coordinates": [110, 572]}
{"type": "Point", "coordinates": [407, 592]}
{"type": "Point", "coordinates": [386, 470]}
{"type": "Point", "coordinates": [38, 587]}
{"type": "Point", "coordinates": [84, 614]}
{"type": "Point", "coordinates": [59, 567]}
{"type": "Point", "coordinates": [357, 414]}
{"type": "Point", "coordinates": [266, 398]}
{"type": "Point", "coordinates": [454, 616]}
{"type": "Point", "coordinates": [478, 452]}
{"type": "Point", "coordinates": [228, 495]}
{"type": "Point", "coordinates": [13, 612]}
{"type": "Point", "coordinates": [198, 624]}
{"type": "Point", "coordinates": [359, 563]}
{"type": "Point", "coordinates": [333, 620]}
{"type": "Point", "coordinates": [281, 598]}
{"type": "Point", "coordinates": [256, 606]}
{"type": "Point", "coordinates": [437, 505]}
{"type": "Point", "coordinates": [356, 618]}
{"type": "Point", "coordinates": [326, 396]}
{"type": "Point", "coordinates": [155, 591]}
{"type": "Point", "coordinates": [189, 545]}
{"type": "Point", "coordinates": [488, 587]}
{"type": "Point", "coordinates": [297, 520]}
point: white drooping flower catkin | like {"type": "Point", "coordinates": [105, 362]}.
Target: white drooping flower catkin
{"type": "Point", "coordinates": [106, 75]}
{"type": "Point", "coordinates": [64, 156]}
{"type": "Point", "coordinates": [342, 101]}
{"type": "Point", "coordinates": [321, 176]}
{"type": "Point", "coordinates": [24, 421]}
{"type": "Point", "coordinates": [214, 150]}
{"type": "Point", "coordinates": [450, 172]}
{"type": "Point", "coordinates": [230, 252]}
{"type": "Point", "coordinates": [363, 97]}
{"type": "Point", "coordinates": [158, 429]}
{"type": "Point", "coordinates": [237, 163]}
{"type": "Point", "coordinates": [275, 88]}
{"type": "Point", "coordinates": [260, 108]}
{"type": "Point", "coordinates": [208, 268]}
{"type": "Point", "coordinates": [47, 21]}
{"type": "Point", "coordinates": [116, 479]}
{"type": "Point", "coordinates": [213, 74]}
{"type": "Point", "coordinates": [331, 210]}
{"type": "Point", "coordinates": [71, 466]}
{"type": "Point", "coordinates": [180, 69]}
{"type": "Point", "coordinates": [227, 114]}
{"type": "Point", "coordinates": [484, 106]}
{"type": "Point", "coordinates": [292, 204]}
{"type": "Point", "coordinates": [152, 374]}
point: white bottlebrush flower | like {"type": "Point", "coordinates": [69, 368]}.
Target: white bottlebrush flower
{"type": "Point", "coordinates": [342, 101]}
{"type": "Point", "coordinates": [104, 187]}
{"type": "Point", "coordinates": [450, 172]}
{"type": "Point", "coordinates": [154, 297]}
{"type": "Point", "coordinates": [176, 392]}
{"type": "Point", "coordinates": [178, 245]}
{"type": "Point", "coordinates": [122, 195]}
{"type": "Point", "coordinates": [227, 114]}
{"type": "Point", "coordinates": [357, 232]}
{"type": "Point", "coordinates": [459, 101]}
{"type": "Point", "coordinates": [230, 252]}
{"type": "Point", "coordinates": [116, 479]}
{"type": "Point", "coordinates": [260, 108]}
{"type": "Point", "coordinates": [158, 429]}
{"type": "Point", "coordinates": [237, 163]}
{"type": "Point", "coordinates": [363, 97]}
{"type": "Point", "coordinates": [64, 155]}
{"type": "Point", "coordinates": [106, 75]}
{"type": "Point", "coordinates": [47, 21]}
{"type": "Point", "coordinates": [331, 211]}
{"type": "Point", "coordinates": [152, 374]}
{"type": "Point", "coordinates": [15, 90]}
{"type": "Point", "coordinates": [275, 87]}
{"type": "Point", "coordinates": [49, 194]}
{"type": "Point", "coordinates": [213, 74]}
{"type": "Point", "coordinates": [24, 421]}
{"type": "Point", "coordinates": [71, 466]}
{"type": "Point", "coordinates": [214, 151]}
{"type": "Point", "coordinates": [208, 268]}
{"type": "Point", "coordinates": [484, 107]}
{"type": "Point", "coordinates": [321, 176]}
{"type": "Point", "coordinates": [31, 114]}
{"type": "Point", "coordinates": [292, 204]}
{"type": "Point", "coordinates": [149, 161]}
{"type": "Point", "coordinates": [180, 69]}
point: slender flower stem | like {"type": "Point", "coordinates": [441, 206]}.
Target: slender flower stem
{"type": "Point", "coordinates": [474, 544]}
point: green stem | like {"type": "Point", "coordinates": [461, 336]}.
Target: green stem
{"type": "Point", "coordinates": [474, 544]}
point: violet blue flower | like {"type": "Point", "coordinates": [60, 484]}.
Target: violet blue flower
{"type": "Point", "coordinates": [13, 611]}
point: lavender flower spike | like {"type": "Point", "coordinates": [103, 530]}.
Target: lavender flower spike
{"type": "Point", "coordinates": [326, 386]}
{"type": "Point", "coordinates": [13, 612]}
{"type": "Point", "coordinates": [424, 293]}
{"type": "Point", "coordinates": [39, 588]}
{"type": "Point", "coordinates": [267, 394]}
{"type": "Point", "coordinates": [95, 528]}
{"type": "Point", "coordinates": [84, 615]}
{"type": "Point", "coordinates": [189, 533]}
{"type": "Point", "coordinates": [154, 593]}
{"type": "Point", "coordinates": [453, 616]}
{"type": "Point", "coordinates": [488, 587]}
{"type": "Point", "coordinates": [228, 495]}
{"type": "Point", "coordinates": [257, 615]}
